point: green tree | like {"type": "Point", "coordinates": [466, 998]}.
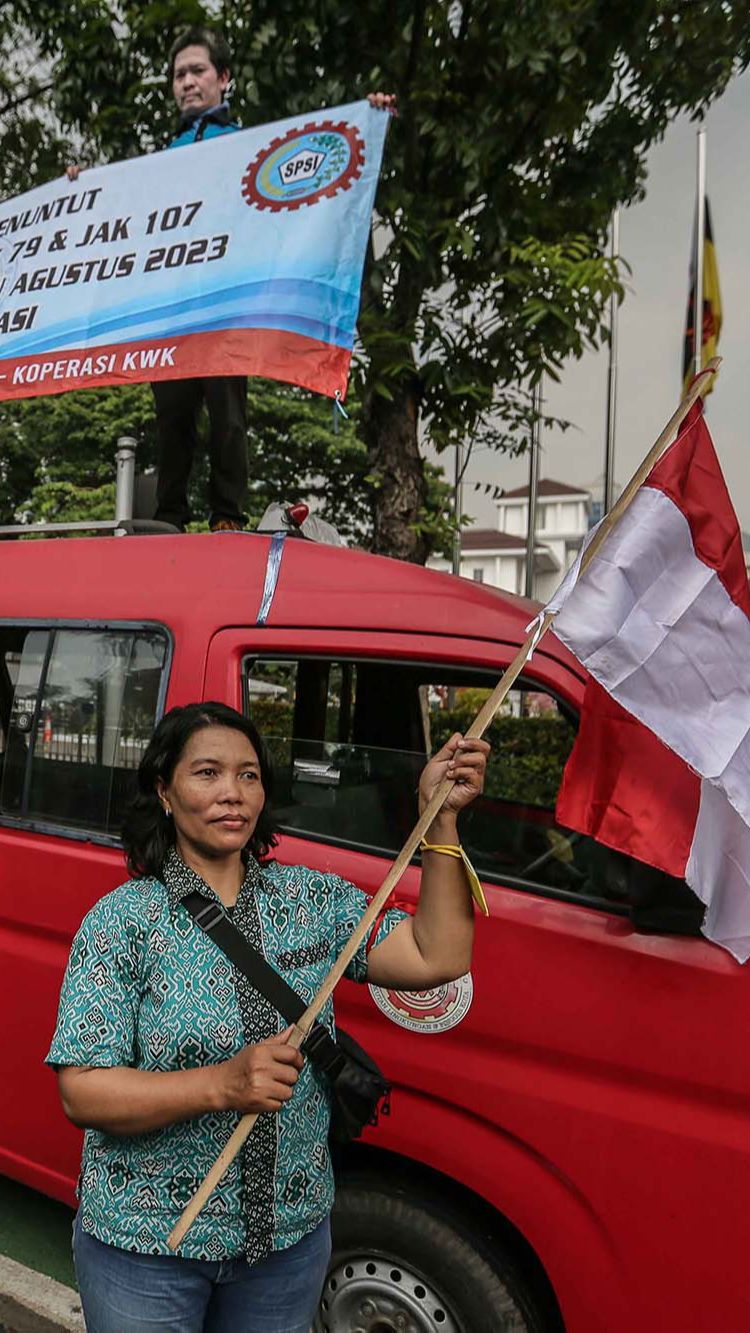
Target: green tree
{"type": "Point", "coordinates": [57, 454]}
{"type": "Point", "coordinates": [299, 451]}
{"type": "Point", "coordinates": [521, 125]}
{"type": "Point", "coordinates": [300, 448]}
{"type": "Point", "coordinates": [31, 144]}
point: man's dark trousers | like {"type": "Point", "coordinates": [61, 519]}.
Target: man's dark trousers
{"type": "Point", "coordinates": [178, 404]}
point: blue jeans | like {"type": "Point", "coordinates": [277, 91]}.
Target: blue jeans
{"type": "Point", "coordinates": [139, 1293]}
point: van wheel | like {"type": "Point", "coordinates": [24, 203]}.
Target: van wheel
{"type": "Point", "coordinates": [401, 1264]}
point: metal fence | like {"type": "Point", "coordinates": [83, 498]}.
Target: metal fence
{"type": "Point", "coordinates": [84, 747]}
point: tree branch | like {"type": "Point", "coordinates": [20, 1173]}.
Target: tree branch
{"type": "Point", "coordinates": [14, 102]}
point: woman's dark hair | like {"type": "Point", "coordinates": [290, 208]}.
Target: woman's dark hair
{"type": "Point", "coordinates": [214, 42]}
{"type": "Point", "coordinates": [147, 832]}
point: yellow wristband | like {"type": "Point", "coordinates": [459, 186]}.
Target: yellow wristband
{"type": "Point", "coordinates": [456, 850]}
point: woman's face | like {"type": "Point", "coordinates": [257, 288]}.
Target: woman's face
{"type": "Point", "coordinates": [216, 794]}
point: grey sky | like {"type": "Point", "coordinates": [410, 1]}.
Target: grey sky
{"type": "Point", "coordinates": [655, 239]}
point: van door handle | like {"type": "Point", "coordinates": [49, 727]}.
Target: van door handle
{"type": "Point", "coordinates": [320, 771]}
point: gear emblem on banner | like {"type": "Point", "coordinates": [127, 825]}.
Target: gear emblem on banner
{"type": "Point", "coordinates": [304, 166]}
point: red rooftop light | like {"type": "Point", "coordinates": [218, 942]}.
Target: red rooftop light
{"type": "Point", "coordinates": [298, 513]}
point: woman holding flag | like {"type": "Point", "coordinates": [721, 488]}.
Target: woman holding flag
{"type": "Point", "coordinates": [161, 1044]}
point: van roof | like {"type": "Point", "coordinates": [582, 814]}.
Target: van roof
{"type": "Point", "coordinates": [210, 581]}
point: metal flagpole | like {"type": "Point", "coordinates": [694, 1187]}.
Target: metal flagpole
{"type": "Point", "coordinates": [458, 506]}
{"type": "Point", "coordinates": [614, 314]}
{"type": "Point", "coordinates": [700, 236]}
{"type": "Point", "coordinates": [533, 487]}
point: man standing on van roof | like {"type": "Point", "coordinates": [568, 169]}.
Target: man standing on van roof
{"type": "Point", "coordinates": [199, 71]}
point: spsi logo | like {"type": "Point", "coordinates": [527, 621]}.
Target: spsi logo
{"type": "Point", "coordinates": [301, 166]}
{"type": "Point", "coordinates": [429, 1011]}
{"type": "Point", "coordinates": [304, 166]}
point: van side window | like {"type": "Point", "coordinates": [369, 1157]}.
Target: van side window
{"type": "Point", "coordinates": [22, 656]}
{"type": "Point", "coordinates": [349, 739]}
{"type": "Point", "coordinates": [77, 709]}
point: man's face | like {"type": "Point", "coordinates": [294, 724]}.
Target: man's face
{"type": "Point", "coordinates": [196, 84]}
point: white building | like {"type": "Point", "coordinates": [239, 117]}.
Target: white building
{"type": "Point", "coordinates": [498, 556]}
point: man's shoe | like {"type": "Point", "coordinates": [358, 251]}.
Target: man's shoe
{"type": "Point", "coordinates": [227, 525]}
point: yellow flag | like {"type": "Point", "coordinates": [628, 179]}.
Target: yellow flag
{"type": "Point", "coordinates": [711, 323]}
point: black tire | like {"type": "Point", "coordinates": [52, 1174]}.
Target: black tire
{"type": "Point", "coordinates": [402, 1262]}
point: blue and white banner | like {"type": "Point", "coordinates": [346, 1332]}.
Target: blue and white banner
{"type": "Point", "coordinates": [239, 255]}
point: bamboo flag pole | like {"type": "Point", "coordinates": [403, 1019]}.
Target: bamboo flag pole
{"type": "Point", "coordinates": [477, 729]}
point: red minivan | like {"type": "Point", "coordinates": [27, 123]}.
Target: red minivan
{"type": "Point", "coordinates": [569, 1140]}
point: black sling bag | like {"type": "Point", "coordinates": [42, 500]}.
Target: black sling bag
{"type": "Point", "coordinates": [358, 1087]}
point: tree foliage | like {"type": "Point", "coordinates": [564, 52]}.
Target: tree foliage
{"type": "Point", "coordinates": [57, 454]}
{"type": "Point", "coordinates": [298, 449]}
{"type": "Point", "coordinates": [521, 125]}
{"type": "Point", "coordinates": [31, 145]}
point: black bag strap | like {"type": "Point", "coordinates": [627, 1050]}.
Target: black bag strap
{"type": "Point", "coordinates": [211, 917]}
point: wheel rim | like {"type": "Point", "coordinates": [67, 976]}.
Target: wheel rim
{"type": "Point", "coordinates": [375, 1294]}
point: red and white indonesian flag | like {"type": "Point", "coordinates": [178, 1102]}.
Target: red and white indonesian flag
{"type": "Point", "coordinates": [661, 620]}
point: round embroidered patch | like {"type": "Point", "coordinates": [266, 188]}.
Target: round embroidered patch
{"type": "Point", "coordinates": [304, 166]}
{"type": "Point", "coordinates": [429, 1011]}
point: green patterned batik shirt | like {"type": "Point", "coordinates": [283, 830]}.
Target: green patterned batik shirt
{"type": "Point", "coordinates": [146, 988]}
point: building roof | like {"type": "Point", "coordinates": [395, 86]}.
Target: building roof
{"type": "Point", "coordinates": [546, 487]}
{"type": "Point", "coordinates": [489, 539]}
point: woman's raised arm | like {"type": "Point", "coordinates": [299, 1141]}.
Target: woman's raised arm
{"type": "Point", "coordinates": [435, 944]}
